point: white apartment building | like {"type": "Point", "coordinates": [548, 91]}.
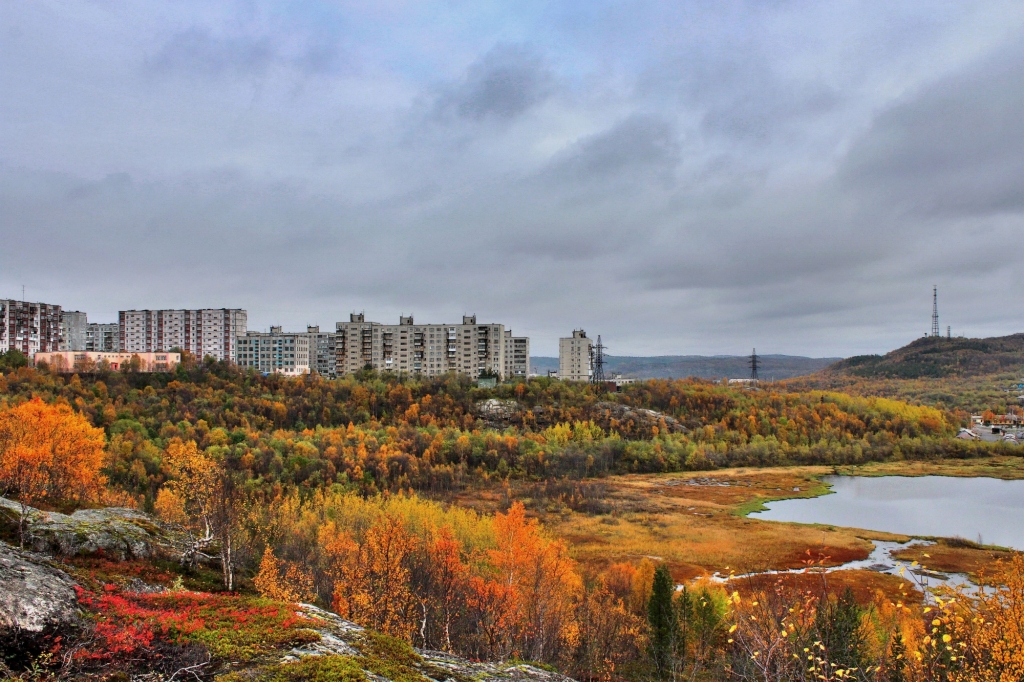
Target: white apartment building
{"type": "Point", "coordinates": [574, 357]}
{"type": "Point", "coordinates": [517, 356]}
{"type": "Point", "coordinates": [73, 325]}
{"type": "Point", "coordinates": [274, 352]}
{"type": "Point", "coordinates": [103, 337]}
{"type": "Point", "coordinates": [208, 332]}
{"type": "Point", "coordinates": [430, 349]}
{"type": "Point", "coordinates": [29, 327]}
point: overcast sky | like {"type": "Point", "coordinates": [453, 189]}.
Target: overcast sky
{"type": "Point", "coordinates": [680, 177]}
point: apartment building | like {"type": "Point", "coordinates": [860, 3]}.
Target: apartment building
{"type": "Point", "coordinates": [574, 357]}
{"type": "Point", "coordinates": [73, 325]}
{"type": "Point", "coordinates": [29, 327]}
{"type": "Point", "coordinates": [103, 337]}
{"type": "Point", "coordinates": [430, 349]}
{"type": "Point", "coordinates": [517, 355]}
{"type": "Point", "coordinates": [322, 352]}
{"type": "Point", "coordinates": [90, 361]}
{"type": "Point", "coordinates": [274, 353]}
{"type": "Point", "coordinates": [210, 332]}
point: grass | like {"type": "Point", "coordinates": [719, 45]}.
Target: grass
{"type": "Point", "coordinates": [698, 523]}
{"type": "Point", "coordinates": [955, 555]}
{"type": "Point", "coordinates": [1005, 468]}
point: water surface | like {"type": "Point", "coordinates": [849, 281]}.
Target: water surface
{"type": "Point", "coordinates": [988, 510]}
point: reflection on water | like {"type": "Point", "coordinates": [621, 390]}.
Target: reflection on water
{"type": "Point", "coordinates": [987, 510]}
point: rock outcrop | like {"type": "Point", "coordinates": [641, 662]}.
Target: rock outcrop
{"type": "Point", "coordinates": [116, 532]}
{"type": "Point", "coordinates": [639, 415]}
{"type": "Point", "coordinates": [339, 637]}
{"type": "Point", "coordinates": [34, 596]}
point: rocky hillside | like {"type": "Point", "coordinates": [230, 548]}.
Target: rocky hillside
{"type": "Point", "coordinates": [940, 357]}
{"type": "Point", "coordinates": [102, 598]}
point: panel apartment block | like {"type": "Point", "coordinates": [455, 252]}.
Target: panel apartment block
{"type": "Point", "coordinates": [517, 356]}
{"type": "Point", "coordinates": [29, 327]}
{"type": "Point", "coordinates": [101, 337]}
{"type": "Point", "coordinates": [73, 326]}
{"type": "Point", "coordinates": [274, 353]}
{"type": "Point", "coordinates": [322, 351]}
{"type": "Point", "coordinates": [430, 349]}
{"type": "Point", "coordinates": [210, 332]}
{"type": "Point", "coordinates": [574, 357]}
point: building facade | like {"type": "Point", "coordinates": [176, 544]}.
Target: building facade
{"type": "Point", "coordinates": [574, 357]}
{"type": "Point", "coordinates": [322, 351]}
{"type": "Point", "coordinates": [468, 348]}
{"type": "Point", "coordinates": [29, 327]}
{"type": "Point", "coordinates": [274, 352]}
{"type": "Point", "coordinates": [90, 361]}
{"type": "Point", "coordinates": [73, 326]}
{"type": "Point", "coordinates": [517, 356]}
{"type": "Point", "coordinates": [103, 337]}
{"type": "Point", "coordinates": [210, 332]}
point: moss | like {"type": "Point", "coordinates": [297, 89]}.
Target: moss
{"type": "Point", "coordinates": [390, 657]}
{"type": "Point", "coordinates": [309, 669]}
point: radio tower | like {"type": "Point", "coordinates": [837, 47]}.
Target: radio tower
{"type": "Point", "coordinates": [754, 362]}
{"type": "Point", "coordinates": [597, 362]}
{"type": "Point", "coordinates": [935, 311]}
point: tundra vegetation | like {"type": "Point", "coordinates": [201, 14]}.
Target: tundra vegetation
{"type": "Point", "coordinates": [553, 530]}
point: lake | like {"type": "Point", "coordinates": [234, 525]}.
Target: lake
{"type": "Point", "coordinates": [987, 510]}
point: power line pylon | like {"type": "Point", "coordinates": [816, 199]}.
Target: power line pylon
{"type": "Point", "coordinates": [597, 362]}
{"type": "Point", "coordinates": [754, 363]}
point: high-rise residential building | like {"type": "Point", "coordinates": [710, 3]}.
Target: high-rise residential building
{"type": "Point", "coordinates": [430, 349]}
{"type": "Point", "coordinates": [103, 337]}
{"type": "Point", "coordinates": [73, 325]}
{"type": "Point", "coordinates": [574, 357]}
{"type": "Point", "coordinates": [29, 327]}
{"type": "Point", "coordinates": [274, 353]}
{"type": "Point", "coordinates": [517, 355]}
{"type": "Point", "coordinates": [210, 332]}
{"type": "Point", "coordinates": [322, 352]}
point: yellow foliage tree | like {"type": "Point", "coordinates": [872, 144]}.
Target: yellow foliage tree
{"type": "Point", "coordinates": [49, 452]}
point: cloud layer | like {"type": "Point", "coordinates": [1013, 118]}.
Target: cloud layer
{"type": "Point", "coordinates": [678, 177]}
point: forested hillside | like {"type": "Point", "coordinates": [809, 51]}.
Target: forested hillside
{"type": "Point", "coordinates": [339, 493]}
{"type": "Point", "coordinates": [700, 366]}
{"type": "Point", "coordinates": [940, 357]}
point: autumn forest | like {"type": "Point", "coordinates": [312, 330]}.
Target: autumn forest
{"type": "Point", "coordinates": [434, 512]}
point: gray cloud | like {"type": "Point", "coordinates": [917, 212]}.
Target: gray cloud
{"type": "Point", "coordinates": [196, 51]}
{"type": "Point", "coordinates": [678, 178]}
{"type": "Point", "coordinates": [955, 147]}
{"type": "Point", "coordinates": [504, 83]}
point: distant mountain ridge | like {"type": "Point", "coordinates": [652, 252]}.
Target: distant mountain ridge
{"type": "Point", "coordinates": [938, 356]}
{"type": "Point", "coordinates": [701, 366]}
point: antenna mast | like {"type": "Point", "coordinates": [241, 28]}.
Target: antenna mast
{"type": "Point", "coordinates": [754, 362]}
{"type": "Point", "coordinates": [597, 362]}
{"type": "Point", "coordinates": [935, 310]}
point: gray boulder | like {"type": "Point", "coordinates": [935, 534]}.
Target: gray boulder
{"type": "Point", "coordinates": [115, 532]}
{"type": "Point", "coordinates": [34, 596]}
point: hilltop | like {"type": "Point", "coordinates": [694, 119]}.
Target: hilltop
{"type": "Point", "coordinates": [936, 357]}
{"type": "Point", "coordinates": [700, 366]}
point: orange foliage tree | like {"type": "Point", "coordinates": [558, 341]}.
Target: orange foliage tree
{"type": "Point", "coordinates": [49, 452]}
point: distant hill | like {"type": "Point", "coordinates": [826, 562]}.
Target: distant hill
{"type": "Point", "coordinates": [703, 366]}
{"type": "Point", "coordinates": [940, 357]}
